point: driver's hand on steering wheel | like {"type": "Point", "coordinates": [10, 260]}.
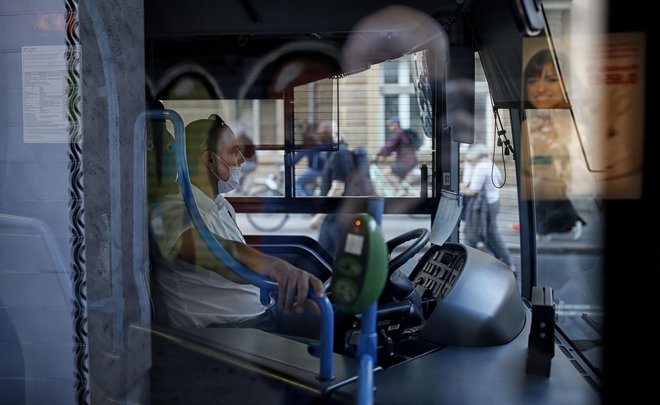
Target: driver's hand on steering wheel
{"type": "Point", "coordinates": [293, 287]}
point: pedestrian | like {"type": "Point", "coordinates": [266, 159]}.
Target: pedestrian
{"type": "Point", "coordinates": [483, 189]}
{"type": "Point", "coordinates": [249, 152]}
{"type": "Point", "coordinates": [346, 174]}
{"type": "Point", "coordinates": [316, 146]}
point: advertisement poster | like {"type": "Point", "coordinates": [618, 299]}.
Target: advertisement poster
{"type": "Point", "coordinates": [620, 77]}
{"type": "Point", "coordinates": [599, 114]}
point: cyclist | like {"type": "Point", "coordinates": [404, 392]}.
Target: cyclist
{"type": "Point", "coordinates": [406, 158]}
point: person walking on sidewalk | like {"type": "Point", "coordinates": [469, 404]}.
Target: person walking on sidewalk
{"type": "Point", "coordinates": [484, 205]}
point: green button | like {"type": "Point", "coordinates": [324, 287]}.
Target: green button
{"type": "Point", "coordinates": [344, 290]}
{"type": "Point", "coordinates": [349, 267]}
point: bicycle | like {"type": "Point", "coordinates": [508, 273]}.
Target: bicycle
{"type": "Point", "coordinates": [385, 189]}
{"type": "Point", "coordinates": [383, 186]}
{"type": "Point", "coordinates": [269, 186]}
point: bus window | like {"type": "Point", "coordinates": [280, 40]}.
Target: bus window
{"type": "Point", "coordinates": [351, 111]}
{"type": "Point", "coordinates": [355, 110]}
{"type": "Point", "coordinates": [496, 176]}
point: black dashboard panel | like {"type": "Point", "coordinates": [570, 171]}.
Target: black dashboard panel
{"type": "Point", "coordinates": [438, 270]}
{"type": "Point", "coordinates": [470, 298]}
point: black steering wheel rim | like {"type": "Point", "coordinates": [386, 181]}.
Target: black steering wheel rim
{"type": "Point", "coordinates": [421, 237]}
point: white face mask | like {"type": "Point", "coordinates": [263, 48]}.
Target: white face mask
{"type": "Point", "coordinates": [225, 186]}
{"type": "Point", "coordinates": [232, 183]}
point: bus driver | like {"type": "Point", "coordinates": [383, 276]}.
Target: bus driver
{"type": "Point", "coordinates": [195, 289]}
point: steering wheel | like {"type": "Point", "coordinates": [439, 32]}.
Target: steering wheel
{"type": "Point", "coordinates": [398, 285]}
{"type": "Point", "coordinates": [421, 237]}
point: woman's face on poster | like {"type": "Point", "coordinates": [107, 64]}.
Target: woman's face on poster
{"type": "Point", "coordinates": [544, 91]}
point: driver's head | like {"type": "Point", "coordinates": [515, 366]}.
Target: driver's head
{"type": "Point", "coordinates": [217, 150]}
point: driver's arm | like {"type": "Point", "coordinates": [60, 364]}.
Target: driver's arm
{"type": "Point", "coordinates": [292, 281]}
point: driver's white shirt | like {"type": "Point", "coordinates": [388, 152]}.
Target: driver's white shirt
{"type": "Point", "coordinates": [195, 296]}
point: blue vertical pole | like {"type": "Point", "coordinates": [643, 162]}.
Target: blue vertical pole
{"type": "Point", "coordinates": [367, 355]}
{"type": "Point", "coordinates": [376, 206]}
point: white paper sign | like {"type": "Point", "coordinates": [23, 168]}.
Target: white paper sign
{"type": "Point", "coordinates": [354, 244]}
{"type": "Point", "coordinates": [44, 94]}
{"type": "Point", "coordinates": [446, 217]}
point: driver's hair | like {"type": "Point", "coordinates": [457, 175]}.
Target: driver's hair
{"type": "Point", "coordinates": [202, 136]}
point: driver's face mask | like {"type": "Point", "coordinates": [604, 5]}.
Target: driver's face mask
{"type": "Point", "coordinates": [225, 186]}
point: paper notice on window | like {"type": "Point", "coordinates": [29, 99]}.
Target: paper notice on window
{"type": "Point", "coordinates": [44, 94]}
{"type": "Point", "coordinates": [446, 217]}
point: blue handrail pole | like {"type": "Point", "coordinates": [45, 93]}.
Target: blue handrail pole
{"type": "Point", "coordinates": [327, 337]}
{"type": "Point", "coordinates": [376, 205]}
{"type": "Point", "coordinates": [367, 355]}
